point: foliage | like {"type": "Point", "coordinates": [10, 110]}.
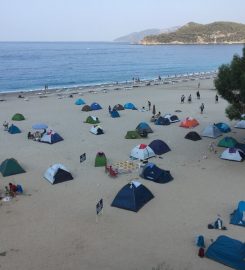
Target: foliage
{"type": "Point", "coordinates": [230, 83]}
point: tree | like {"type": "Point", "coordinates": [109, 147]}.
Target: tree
{"type": "Point", "coordinates": [230, 83]}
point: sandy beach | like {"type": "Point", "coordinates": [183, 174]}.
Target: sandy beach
{"type": "Point", "coordinates": [54, 227]}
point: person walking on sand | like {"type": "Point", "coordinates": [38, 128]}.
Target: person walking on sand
{"type": "Point", "coordinates": [216, 98]}
{"type": "Point", "coordinates": [149, 105]}
{"type": "Point", "coordinates": [198, 94]}
{"type": "Point", "coordinates": [109, 108]}
{"type": "Point", "coordinates": [182, 99]}
{"type": "Point", "coordinates": [189, 98]}
{"type": "Point", "coordinates": [202, 108]}
{"type": "Point", "coordinates": [198, 86]}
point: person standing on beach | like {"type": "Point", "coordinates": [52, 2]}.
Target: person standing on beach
{"type": "Point", "coordinates": [198, 86]}
{"type": "Point", "coordinates": [202, 108]}
{"type": "Point", "coordinates": [182, 99]}
{"type": "Point", "coordinates": [189, 98]}
{"type": "Point", "coordinates": [149, 105]}
{"type": "Point", "coordinates": [198, 94]}
{"type": "Point", "coordinates": [109, 108]}
{"type": "Point", "coordinates": [216, 98]}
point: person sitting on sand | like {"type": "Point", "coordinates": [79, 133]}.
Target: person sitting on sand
{"type": "Point", "coordinates": [157, 115]}
{"type": "Point", "coordinates": [6, 126]}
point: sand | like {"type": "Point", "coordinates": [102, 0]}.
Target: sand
{"type": "Point", "coordinates": [55, 227]}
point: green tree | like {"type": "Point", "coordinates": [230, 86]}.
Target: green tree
{"type": "Point", "coordinates": [230, 83]}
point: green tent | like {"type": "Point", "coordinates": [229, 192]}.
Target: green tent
{"type": "Point", "coordinates": [100, 160]}
{"type": "Point", "coordinates": [133, 134]}
{"type": "Point", "coordinates": [10, 167]}
{"type": "Point", "coordinates": [18, 117]}
{"type": "Point", "coordinates": [227, 142]}
{"type": "Point", "coordinates": [92, 120]}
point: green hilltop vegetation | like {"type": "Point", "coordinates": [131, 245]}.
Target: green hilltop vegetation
{"type": "Point", "coordinates": [195, 33]}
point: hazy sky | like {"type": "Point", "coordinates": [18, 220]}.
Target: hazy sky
{"type": "Point", "coordinates": [105, 20]}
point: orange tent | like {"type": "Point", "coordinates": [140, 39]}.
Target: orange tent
{"type": "Point", "coordinates": [189, 122]}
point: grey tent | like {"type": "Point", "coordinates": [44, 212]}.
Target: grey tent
{"type": "Point", "coordinates": [211, 131]}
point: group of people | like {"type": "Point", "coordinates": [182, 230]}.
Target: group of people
{"type": "Point", "coordinates": [36, 136]}
{"type": "Point", "coordinates": [11, 191]}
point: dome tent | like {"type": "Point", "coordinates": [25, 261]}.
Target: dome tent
{"type": "Point", "coordinates": [57, 174]}
{"type": "Point", "coordinates": [143, 127]}
{"type": "Point", "coordinates": [118, 107]}
{"type": "Point", "coordinates": [211, 131]}
{"type": "Point", "coordinates": [172, 118]}
{"type": "Point", "coordinates": [227, 142]}
{"type": "Point", "coordinates": [162, 121]}
{"type": "Point", "coordinates": [233, 154]}
{"type": "Point", "coordinates": [193, 136]}
{"type": "Point", "coordinates": [86, 108]}
{"type": "Point", "coordinates": [151, 172]}
{"type": "Point", "coordinates": [115, 114]}
{"type": "Point", "coordinates": [18, 117]}
{"type": "Point", "coordinates": [223, 127]}
{"type": "Point", "coordinates": [133, 134]}
{"type": "Point", "coordinates": [97, 130]}
{"type": "Point", "coordinates": [129, 106]}
{"type": "Point", "coordinates": [142, 152]}
{"type": "Point", "coordinates": [240, 124]}
{"type": "Point", "coordinates": [159, 147]}
{"type": "Point", "coordinates": [189, 122]}
{"type": "Point", "coordinates": [13, 129]}
{"type": "Point", "coordinates": [238, 216]}
{"type": "Point", "coordinates": [95, 106]}
{"type": "Point", "coordinates": [11, 167]}
{"type": "Point", "coordinates": [92, 120]}
{"type": "Point", "coordinates": [51, 137]}
{"type": "Point", "coordinates": [79, 101]}
{"type": "Point", "coordinates": [132, 197]}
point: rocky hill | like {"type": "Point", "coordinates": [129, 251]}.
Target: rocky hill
{"type": "Point", "coordinates": [194, 33]}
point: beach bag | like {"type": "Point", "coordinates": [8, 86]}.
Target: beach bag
{"type": "Point", "coordinates": [200, 241]}
{"type": "Point", "coordinates": [201, 252]}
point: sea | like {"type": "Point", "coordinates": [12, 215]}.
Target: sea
{"type": "Point", "coordinates": [28, 66]}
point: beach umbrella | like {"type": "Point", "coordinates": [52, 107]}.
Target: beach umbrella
{"type": "Point", "coordinates": [154, 109]}
{"type": "Point", "coordinates": [39, 126]}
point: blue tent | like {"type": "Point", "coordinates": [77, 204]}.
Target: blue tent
{"type": "Point", "coordinates": [144, 127]}
{"type": "Point", "coordinates": [132, 197]}
{"type": "Point", "coordinates": [227, 251]}
{"type": "Point", "coordinates": [115, 114]}
{"type": "Point", "coordinates": [51, 137]}
{"type": "Point", "coordinates": [162, 121]}
{"type": "Point", "coordinates": [159, 147]}
{"type": "Point", "coordinates": [223, 127]}
{"type": "Point", "coordinates": [79, 102]}
{"type": "Point", "coordinates": [14, 129]}
{"type": "Point", "coordinates": [95, 106]}
{"type": "Point", "coordinates": [238, 216]}
{"type": "Point", "coordinates": [130, 106]}
{"type": "Point", "coordinates": [155, 174]}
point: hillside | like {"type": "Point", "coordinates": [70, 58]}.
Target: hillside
{"type": "Point", "coordinates": [194, 33]}
{"type": "Point", "coordinates": [136, 37]}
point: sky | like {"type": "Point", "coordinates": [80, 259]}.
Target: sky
{"type": "Point", "coordinates": [106, 20]}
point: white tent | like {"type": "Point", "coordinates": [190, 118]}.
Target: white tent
{"type": "Point", "coordinates": [171, 118]}
{"type": "Point", "coordinates": [51, 137]}
{"type": "Point", "coordinates": [233, 154]}
{"type": "Point", "coordinates": [57, 174]}
{"type": "Point", "coordinates": [142, 152]}
{"type": "Point", "coordinates": [211, 131]}
{"type": "Point", "coordinates": [97, 130]}
{"type": "Point", "coordinates": [240, 124]}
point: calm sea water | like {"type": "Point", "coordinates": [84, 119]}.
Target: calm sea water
{"type": "Point", "coordinates": [28, 66]}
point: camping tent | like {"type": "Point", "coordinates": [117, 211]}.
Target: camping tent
{"type": "Point", "coordinates": [193, 136]}
{"type": "Point", "coordinates": [129, 106]}
{"type": "Point", "coordinates": [18, 117]}
{"type": "Point", "coordinates": [227, 251]}
{"type": "Point", "coordinates": [189, 122]}
{"type": "Point", "coordinates": [79, 101]}
{"type": "Point", "coordinates": [159, 147]}
{"type": "Point", "coordinates": [95, 106]}
{"type": "Point", "coordinates": [143, 127]}
{"type": "Point", "coordinates": [57, 174]}
{"type": "Point", "coordinates": [100, 160]}
{"type": "Point", "coordinates": [133, 134]}
{"type": "Point", "coordinates": [162, 121]}
{"type": "Point", "coordinates": [238, 216]}
{"type": "Point", "coordinates": [223, 127]}
{"type": "Point", "coordinates": [118, 107]}
{"type": "Point", "coordinates": [151, 172]}
{"type": "Point", "coordinates": [115, 114]}
{"type": "Point", "coordinates": [234, 154]}
{"type": "Point", "coordinates": [142, 151]}
{"type": "Point", "coordinates": [97, 130]}
{"type": "Point", "coordinates": [92, 120]}
{"type": "Point", "coordinates": [240, 124]}
{"type": "Point", "coordinates": [227, 142]}
{"type": "Point", "coordinates": [211, 131]}
{"type": "Point", "coordinates": [14, 129]}
{"type": "Point", "coordinates": [132, 197]}
{"type": "Point", "coordinates": [10, 167]}
{"type": "Point", "coordinates": [171, 118]}
{"type": "Point", "coordinates": [86, 108]}
{"type": "Point", "coordinates": [51, 137]}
